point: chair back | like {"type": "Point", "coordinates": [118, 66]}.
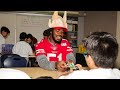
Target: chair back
{"type": "Point", "coordinates": [15, 61]}
{"type": "Point", "coordinates": [4, 56]}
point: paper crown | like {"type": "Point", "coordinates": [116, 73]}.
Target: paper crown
{"type": "Point", "coordinates": [57, 21]}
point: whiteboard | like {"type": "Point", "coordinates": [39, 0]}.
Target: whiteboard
{"type": "Point", "coordinates": [33, 24]}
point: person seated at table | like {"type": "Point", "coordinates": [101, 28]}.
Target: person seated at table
{"type": "Point", "coordinates": [30, 41]}
{"type": "Point", "coordinates": [8, 73]}
{"type": "Point", "coordinates": [100, 56]}
{"type": "Point", "coordinates": [22, 48]}
{"type": "Point", "coordinates": [53, 53]}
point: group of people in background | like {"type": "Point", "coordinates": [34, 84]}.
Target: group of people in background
{"type": "Point", "coordinates": [25, 46]}
{"type": "Point", "coordinates": [54, 52]}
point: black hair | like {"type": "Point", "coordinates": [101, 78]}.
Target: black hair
{"type": "Point", "coordinates": [47, 32]}
{"type": "Point", "coordinates": [30, 36]}
{"type": "Point", "coordinates": [5, 29]}
{"type": "Point", "coordinates": [23, 36]}
{"type": "Point", "coordinates": [103, 48]}
{"type": "Point", "coordinates": [44, 77]}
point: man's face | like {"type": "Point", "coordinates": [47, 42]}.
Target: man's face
{"type": "Point", "coordinates": [57, 35]}
{"type": "Point", "coordinates": [5, 34]}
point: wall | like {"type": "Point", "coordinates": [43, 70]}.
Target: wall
{"type": "Point", "coordinates": [29, 23]}
{"type": "Point", "coordinates": [33, 24]}
{"type": "Point", "coordinates": [100, 21]}
{"type": "Point", "coordinates": [80, 29]}
{"type": "Point", "coordinates": [9, 21]}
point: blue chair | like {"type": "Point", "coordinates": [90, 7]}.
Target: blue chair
{"type": "Point", "coordinates": [15, 61]}
{"type": "Point", "coordinates": [4, 56]}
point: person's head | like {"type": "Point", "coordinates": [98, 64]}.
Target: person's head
{"type": "Point", "coordinates": [59, 26]}
{"type": "Point", "coordinates": [5, 31]}
{"type": "Point", "coordinates": [23, 36]}
{"type": "Point", "coordinates": [102, 50]}
{"type": "Point", "coordinates": [57, 35]}
{"type": "Point", "coordinates": [29, 38]}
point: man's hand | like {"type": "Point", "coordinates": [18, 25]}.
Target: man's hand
{"type": "Point", "coordinates": [61, 66]}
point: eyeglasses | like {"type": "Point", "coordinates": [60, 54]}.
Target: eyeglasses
{"type": "Point", "coordinates": [85, 54]}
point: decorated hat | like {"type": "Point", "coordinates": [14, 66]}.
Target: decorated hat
{"type": "Point", "coordinates": [58, 22]}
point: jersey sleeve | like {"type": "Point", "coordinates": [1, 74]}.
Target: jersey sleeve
{"type": "Point", "coordinates": [69, 48]}
{"type": "Point", "coordinates": [40, 48]}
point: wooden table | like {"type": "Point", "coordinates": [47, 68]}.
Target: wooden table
{"type": "Point", "coordinates": [35, 72]}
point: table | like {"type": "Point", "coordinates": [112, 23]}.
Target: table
{"type": "Point", "coordinates": [31, 56]}
{"type": "Point", "coordinates": [35, 72]}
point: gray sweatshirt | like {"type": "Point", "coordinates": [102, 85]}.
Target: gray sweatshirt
{"type": "Point", "coordinates": [45, 64]}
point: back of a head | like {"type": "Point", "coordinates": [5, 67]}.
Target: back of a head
{"type": "Point", "coordinates": [30, 36]}
{"type": "Point", "coordinates": [23, 36]}
{"type": "Point", "coordinates": [5, 29]}
{"type": "Point", "coordinates": [103, 48]}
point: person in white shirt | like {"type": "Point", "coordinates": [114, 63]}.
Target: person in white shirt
{"type": "Point", "coordinates": [22, 48]}
{"type": "Point", "coordinates": [4, 34]}
{"type": "Point", "coordinates": [101, 54]}
{"type": "Point", "coordinates": [8, 73]}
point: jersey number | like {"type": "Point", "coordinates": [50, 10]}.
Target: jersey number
{"type": "Point", "coordinates": [54, 55]}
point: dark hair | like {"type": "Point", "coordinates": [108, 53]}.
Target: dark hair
{"type": "Point", "coordinates": [30, 36]}
{"type": "Point", "coordinates": [47, 32]}
{"type": "Point", "coordinates": [44, 77]}
{"type": "Point", "coordinates": [103, 48]}
{"type": "Point", "coordinates": [23, 36]}
{"type": "Point", "coordinates": [5, 29]}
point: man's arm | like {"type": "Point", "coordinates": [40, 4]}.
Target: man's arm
{"type": "Point", "coordinates": [44, 63]}
{"type": "Point", "coordinates": [70, 56]}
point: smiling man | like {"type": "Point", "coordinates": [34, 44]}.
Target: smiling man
{"type": "Point", "coordinates": [53, 53]}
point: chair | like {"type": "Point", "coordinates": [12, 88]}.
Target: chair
{"type": "Point", "coordinates": [15, 61]}
{"type": "Point", "coordinates": [4, 56]}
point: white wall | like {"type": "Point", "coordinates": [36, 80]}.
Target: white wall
{"type": "Point", "coordinates": [9, 21]}
{"type": "Point", "coordinates": [33, 24]}
{"type": "Point", "coordinates": [29, 23]}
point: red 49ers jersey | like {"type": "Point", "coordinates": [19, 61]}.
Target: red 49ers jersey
{"type": "Point", "coordinates": [53, 53]}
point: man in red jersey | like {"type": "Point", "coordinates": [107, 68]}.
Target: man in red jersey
{"type": "Point", "coordinates": [54, 52]}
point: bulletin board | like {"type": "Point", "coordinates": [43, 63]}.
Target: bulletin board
{"type": "Point", "coordinates": [33, 24]}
